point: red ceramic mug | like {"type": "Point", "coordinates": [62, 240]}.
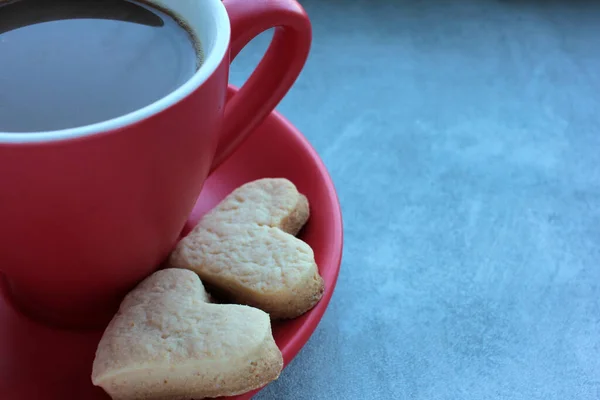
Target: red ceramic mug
{"type": "Point", "coordinates": [86, 213]}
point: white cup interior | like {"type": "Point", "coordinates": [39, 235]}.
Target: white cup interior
{"type": "Point", "coordinates": [205, 19]}
{"type": "Point", "coordinates": [208, 22]}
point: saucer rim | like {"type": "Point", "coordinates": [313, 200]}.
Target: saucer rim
{"type": "Point", "coordinates": [313, 317]}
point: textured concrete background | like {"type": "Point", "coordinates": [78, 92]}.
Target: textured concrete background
{"type": "Point", "coordinates": [463, 137]}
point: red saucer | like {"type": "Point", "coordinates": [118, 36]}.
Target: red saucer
{"type": "Point", "coordinates": [38, 362]}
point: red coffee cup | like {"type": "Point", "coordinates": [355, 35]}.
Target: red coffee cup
{"type": "Point", "coordinates": [87, 213]}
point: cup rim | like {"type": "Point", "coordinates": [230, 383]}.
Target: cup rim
{"type": "Point", "coordinates": [211, 62]}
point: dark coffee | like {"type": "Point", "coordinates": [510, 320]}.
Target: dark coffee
{"type": "Point", "coordinates": [69, 63]}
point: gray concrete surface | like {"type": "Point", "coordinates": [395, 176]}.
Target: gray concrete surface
{"type": "Point", "coordinates": [464, 140]}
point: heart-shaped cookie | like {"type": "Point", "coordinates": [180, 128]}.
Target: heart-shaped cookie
{"type": "Point", "coordinates": [167, 343]}
{"type": "Point", "coordinates": [245, 249]}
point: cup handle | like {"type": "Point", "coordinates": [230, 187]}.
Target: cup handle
{"type": "Point", "coordinates": [274, 75]}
